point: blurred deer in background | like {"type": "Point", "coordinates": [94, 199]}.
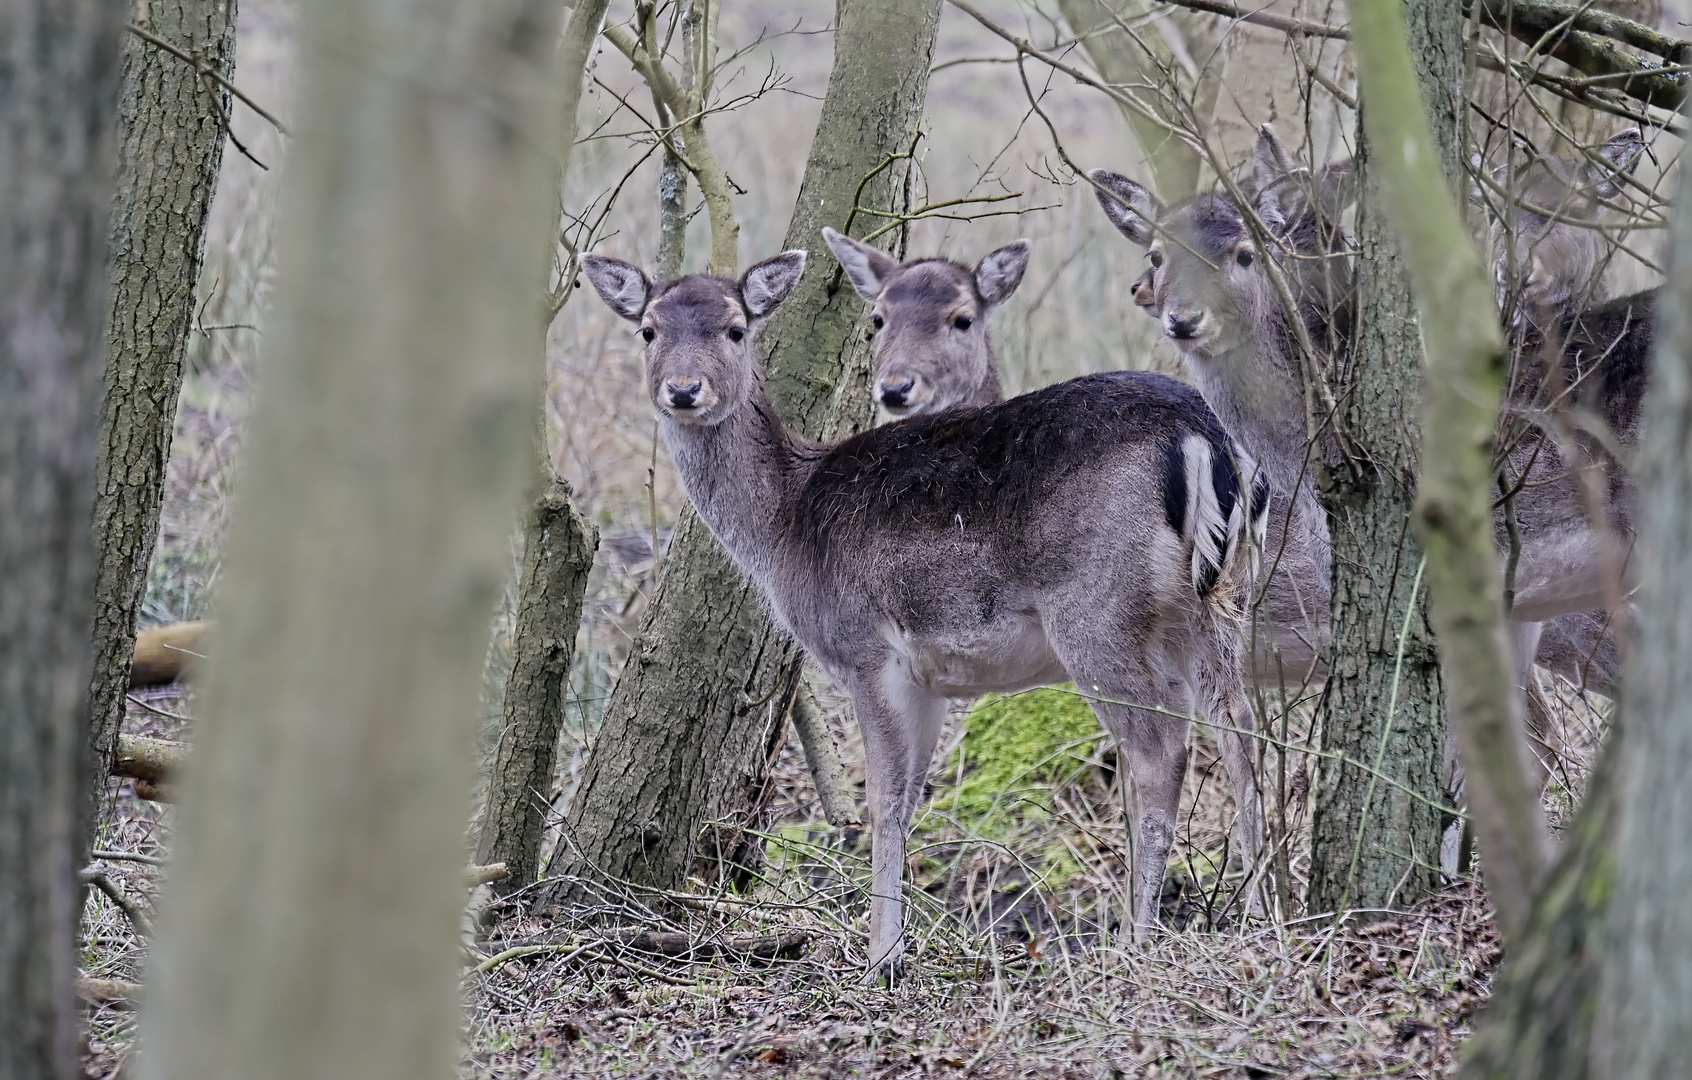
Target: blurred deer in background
{"type": "Point", "coordinates": [1213, 297]}
{"type": "Point", "coordinates": [1098, 531]}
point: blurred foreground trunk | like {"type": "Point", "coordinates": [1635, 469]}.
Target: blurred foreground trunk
{"type": "Point", "coordinates": [58, 96]}
{"type": "Point", "coordinates": [309, 926]}
{"type": "Point", "coordinates": [170, 144]}
{"type": "Point", "coordinates": [700, 708]}
{"type": "Point", "coordinates": [1597, 985]}
{"type": "Point", "coordinates": [558, 547]}
{"type": "Point", "coordinates": [1375, 844]}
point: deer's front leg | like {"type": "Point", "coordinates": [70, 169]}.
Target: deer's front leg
{"type": "Point", "coordinates": [900, 725]}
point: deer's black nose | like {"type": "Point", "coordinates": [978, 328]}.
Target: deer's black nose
{"type": "Point", "coordinates": [894, 392]}
{"type": "Point", "coordinates": [682, 392]}
{"type": "Point", "coordinates": [1183, 325]}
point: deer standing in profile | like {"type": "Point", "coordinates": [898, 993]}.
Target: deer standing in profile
{"type": "Point", "coordinates": [934, 351]}
{"type": "Point", "coordinates": [953, 555]}
{"type": "Point", "coordinates": [1214, 301]}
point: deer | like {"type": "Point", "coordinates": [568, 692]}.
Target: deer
{"type": "Point", "coordinates": [1215, 302]}
{"type": "Point", "coordinates": [1098, 531]}
{"type": "Point", "coordinates": [933, 351]}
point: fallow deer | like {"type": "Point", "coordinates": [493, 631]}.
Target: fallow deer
{"type": "Point", "coordinates": [934, 351]}
{"type": "Point", "coordinates": [1215, 302]}
{"type": "Point", "coordinates": [990, 550]}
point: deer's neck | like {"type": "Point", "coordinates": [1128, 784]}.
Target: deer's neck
{"type": "Point", "coordinates": [739, 474]}
{"type": "Point", "coordinates": [1256, 394]}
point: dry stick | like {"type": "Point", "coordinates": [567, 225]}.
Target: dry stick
{"type": "Point", "coordinates": [838, 806]}
{"type": "Point", "coordinates": [100, 880]}
{"type": "Point", "coordinates": [199, 65]}
{"type": "Point", "coordinates": [153, 760]}
{"type": "Point", "coordinates": [1465, 362]}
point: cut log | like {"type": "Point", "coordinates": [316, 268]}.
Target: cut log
{"type": "Point", "coordinates": [163, 652]}
{"type": "Point", "coordinates": [152, 760]}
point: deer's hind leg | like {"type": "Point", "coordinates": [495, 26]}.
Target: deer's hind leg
{"type": "Point", "coordinates": [1152, 745]}
{"type": "Point", "coordinates": [1218, 686]}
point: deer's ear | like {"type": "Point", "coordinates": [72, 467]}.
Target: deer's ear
{"type": "Point", "coordinates": [999, 273]}
{"type": "Point", "coordinates": [766, 285]}
{"type": "Point", "coordinates": [1621, 154]}
{"type": "Point", "coordinates": [868, 268]}
{"type": "Point", "coordinates": [1130, 207]}
{"type": "Point", "coordinates": [625, 288]}
{"type": "Point", "coordinates": [1271, 162]}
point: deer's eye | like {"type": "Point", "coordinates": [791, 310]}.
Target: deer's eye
{"type": "Point", "coordinates": [1244, 256]}
{"type": "Point", "coordinates": [1155, 258]}
{"type": "Point", "coordinates": [963, 322]}
{"type": "Point", "coordinates": [735, 333]}
{"type": "Point", "coordinates": [647, 334]}
{"type": "Point", "coordinates": [877, 321]}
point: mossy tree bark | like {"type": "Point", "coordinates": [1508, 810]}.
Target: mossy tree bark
{"type": "Point", "coordinates": [58, 95]}
{"type": "Point", "coordinates": [170, 144]}
{"type": "Point", "coordinates": [1374, 843]}
{"type": "Point", "coordinates": [558, 547]}
{"type": "Point", "coordinates": [310, 923]}
{"type": "Point", "coordinates": [700, 707]}
{"type": "Point", "coordinates": [1596, 987]}
{"type": "Point", "coordinates": [1465, 380]}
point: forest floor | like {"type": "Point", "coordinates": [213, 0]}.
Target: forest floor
{"type": "Point", "coordinates": [1016, 966]}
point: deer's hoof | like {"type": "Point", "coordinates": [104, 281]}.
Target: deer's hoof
{"type": "Point", "coordinates": [889, 971]}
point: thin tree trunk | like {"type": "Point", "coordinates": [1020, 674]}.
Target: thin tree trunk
{"type": "Point", "coordinates": [58, 96]}
{"type": "Point", "coordinates": [1125, 61]}
{"type": "Point", "coordinates": [1375, 844]}
{"type": "Point", "coordinates": [1597, 985]}
{"type": "Point", "coordinates": [170, 144]}
{"type": "Point", "coordinates": [310, 922]}
{"type": "Point", "coordinates": [699, 710]}
{"type": "Point", "coordinates": [558, 547]}
{"type": "Point", "coordinates": [1465, 379]}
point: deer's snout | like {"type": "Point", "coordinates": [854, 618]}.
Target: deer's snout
{"type": "Point", "coordinates": [895, 393]}
{"type": "Point", "coordinates": [1184, 325]}
{"type": "Point", "coordinates": [682, 393]}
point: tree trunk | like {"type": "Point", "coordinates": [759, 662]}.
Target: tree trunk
{"type": "Point", "coordinates": [558, 547]}
{"type": "Point", "coordinates": [309, 925]}
{"type": "Point", "coordinates": [58, 95]}
{"type": "Point", "coordinates": [170, 144]}
{"type": "Point", "coordinates": [699, 710]}
{"type": "Point", "coordinates": [1465, 379]}
{"type": "Point", "coordinates": [1123, 61]}
{"type": "Point", "coordinates": [1597, 986]}
{"type": "Point", "coordinates": [1375, 844]}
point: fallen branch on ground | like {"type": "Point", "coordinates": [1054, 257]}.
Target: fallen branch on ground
{"type": "Point", "coordinates": [137, 918]}
{"type": "Point", "coordinates": [107, 991]}
{"type": "Point", "coordinates": [669, 944]}
{"type": "Point", "coordinates": [162, 653]}
{"type": "Point", "coordinates": [153, 760]}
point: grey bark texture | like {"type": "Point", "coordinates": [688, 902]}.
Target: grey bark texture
{"type": "Point", "coordinates": [558, 547]}
{"type": "Point", "coordinates": [309, 925]}
{"type": "Point", "coordinates": [58, 95]}
{"type": "Point", "coordinates": [170, 144]}
{"type": "Point", "coordinates": [700, 707]}
{"type": "Point", "coordinates": [1597, 985]}
{"type": "Point", "coordinates": [1374, 844]}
